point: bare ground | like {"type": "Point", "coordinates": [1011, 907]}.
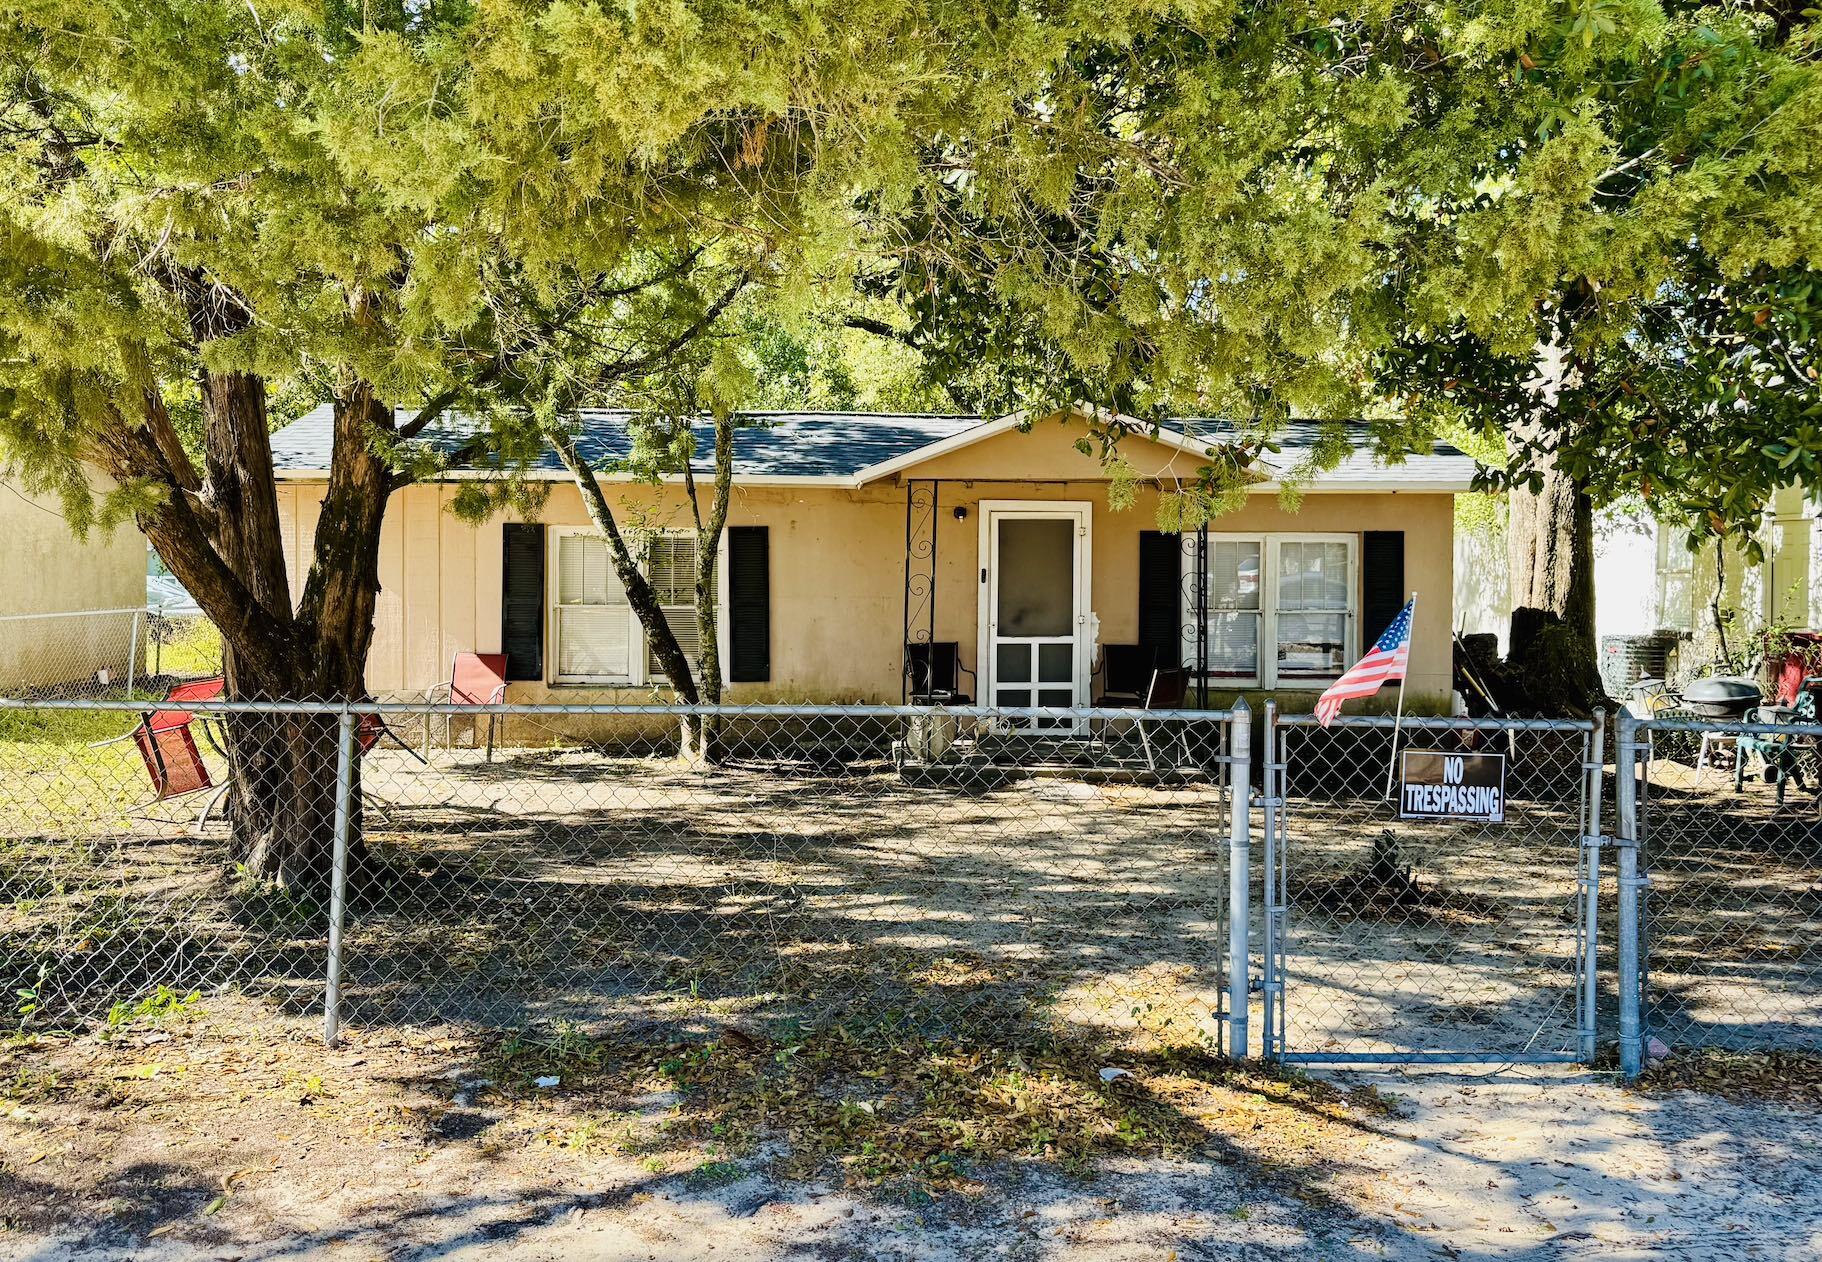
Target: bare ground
{"type": "Point", "coordinates": [636, 914]}
{"type": "Point", "coordinates": [191, 1137]}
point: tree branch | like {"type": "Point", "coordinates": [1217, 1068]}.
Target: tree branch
{"type": "Point", "coordinates": [639, 593]}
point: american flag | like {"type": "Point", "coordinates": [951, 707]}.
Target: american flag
{"type": "Point", "coordinates": [1385, 661]}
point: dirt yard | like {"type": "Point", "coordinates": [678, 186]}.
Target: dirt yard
{"type": "Point", "coordinates": [816, 1007]}
{"type": "Point", "coordinates": [197, 1132]}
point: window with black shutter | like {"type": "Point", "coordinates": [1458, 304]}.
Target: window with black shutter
{"type": "Point", "coordinates": [522, 601]}
{"type": "Point", "coordinates": [749, 605]}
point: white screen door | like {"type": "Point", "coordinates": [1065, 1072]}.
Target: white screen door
{"type": "Point", "coordinates": [1036, 602]}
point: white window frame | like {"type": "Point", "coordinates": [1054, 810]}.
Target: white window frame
{"type": "Point", "coordinates": [1675, 562]}
{"type": "Point", "coordinates": [638, 643]}
{"type": "Point", "coordinates": [1269, 541]}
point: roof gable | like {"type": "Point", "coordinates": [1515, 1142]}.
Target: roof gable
{"type": "Point", "coordinates": [1013, 449]}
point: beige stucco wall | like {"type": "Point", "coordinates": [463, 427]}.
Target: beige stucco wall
{"type": "Point", "coordinates": [45, 569]}
{"type": "Point", "coordinates": [837, 567]}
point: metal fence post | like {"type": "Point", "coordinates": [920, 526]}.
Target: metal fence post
{"type": "Point", "coordinates": [1239, 877]}
{"type": "Point", "coordinates": [1594, 773]}
{"type": "Point", "coordinates": [338, 877]}
{"type": "Point", "coordinates": [1270, 799]}
{"type": "Point", "coordinates": [133, 652]}
{"type": "Point", "coordinates": [1626, 805]}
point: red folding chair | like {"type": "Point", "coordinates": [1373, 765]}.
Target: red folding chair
{"type": "Point", "coordinates": [166, 740]}
{"type": "Point", "coordinates": [475, 679]}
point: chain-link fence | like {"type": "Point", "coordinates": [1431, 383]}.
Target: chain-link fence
{"type": "Point", "coordinates": [1004, 874]}
{"type": "Point", "coordinates": [1452, 924]}
{"type": "Point", "coordinates": [1729, 833]}
{"type": "Point", "coordinates": [104, 653]}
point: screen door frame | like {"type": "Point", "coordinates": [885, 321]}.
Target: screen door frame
{"type": "Point", "coordinates": [1080, 514]}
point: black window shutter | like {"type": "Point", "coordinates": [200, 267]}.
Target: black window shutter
{"type": "Point", "coordinates": [522, 601]}
{"type": "Point", "coordinates": [1161, 597]}
{"type": "Point", "coordinates": [1382, 592]}
{"type": "Point", "coordinates": [749, 605]}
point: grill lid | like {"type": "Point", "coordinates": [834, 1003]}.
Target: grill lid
{"type": "Point", "coordinates": [1724, 690]}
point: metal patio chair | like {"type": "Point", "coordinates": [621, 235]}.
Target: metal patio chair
{"type": "Point", "coordinates": [934, 670]}
{"type": "Point", "coordinates": [1168, 690]}
{"type": "Point", "coordinates": [1781, 757]}
{"type": "Point", "coordinates": [475, 679]}
{"type": "Point", "coordinates": [166, 739]}
{"type": "Point", "coordinates": [1125, 671]}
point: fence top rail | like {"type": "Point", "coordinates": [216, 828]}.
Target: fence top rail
{"type": "Point", "coordinates": [652, 710]}
{"type": "Point", "coordinates": [1726, 727]}
{"type": "Point", "coordinates": [1439, 723]}
{"type": "Point", "coordinates": [73, 613]}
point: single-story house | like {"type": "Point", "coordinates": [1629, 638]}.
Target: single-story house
{"type": "Point", "coordinates": [853, 535]}
{"type": "Point", "coordinates": [67, 605]}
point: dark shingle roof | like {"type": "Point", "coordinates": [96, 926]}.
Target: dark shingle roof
{"type": "Point", "coordinates": [843, 444]}
{"type": "Point", "coordinates": [767, 444]}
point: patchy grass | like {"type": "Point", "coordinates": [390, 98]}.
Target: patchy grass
{"type": "Point", "coordinates": [929, 1116]}
{"type": "Point", "coordinates": [60, 777]}
{"type": "Point", "coordinates": [1793, 1078]}
{"type": "Point", "coordinates": [61, 729]}
{"type": "Point", "coordinates": [162, 1007]}
{"type": "Point", "coordinates": [187, 647]}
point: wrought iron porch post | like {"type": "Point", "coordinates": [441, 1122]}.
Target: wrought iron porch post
{"type": "Point", "coordinates": [920, 587]}
{"type": "Point", "coordinates": [1202, 617]}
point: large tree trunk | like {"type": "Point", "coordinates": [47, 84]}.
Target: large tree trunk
{"type": "Point", "coordinates": [284, 767]}
{"type": "Point", "coordinates": [221, 538]}
{"type": "Point", "coordinates": [1550, 546]}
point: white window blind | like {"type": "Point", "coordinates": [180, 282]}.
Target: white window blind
{"type": "Point", "coordinates": [599, 637]}
{"type": "Point", "coordinates": [594, 622]}
{"type": "Point", "coordinates": [1315, 593]}
{"type": "Point", "coordinates": [1234, 607]}
{"type": "Point", "coordinates": [670, 566]}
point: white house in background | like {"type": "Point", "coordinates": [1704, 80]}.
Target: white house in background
{"type": "Point", "coordinates": [1784, 591]}
{"type": "Point", "coordinates": [44, 571]}
{"type": "Point", "coordinates": [1646, 579]}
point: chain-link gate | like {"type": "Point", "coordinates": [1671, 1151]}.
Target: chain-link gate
{"type": "Point", "coordinates": [1391, 940]}
{"type": "Point", "coordinates": [1727, 896]}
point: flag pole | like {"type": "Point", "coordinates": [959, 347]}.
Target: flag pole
{"type": "Point", "coordinates": [1391, 766]}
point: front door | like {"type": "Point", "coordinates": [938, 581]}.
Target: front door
{"type": "Point", "coordinates": [1034, 601]}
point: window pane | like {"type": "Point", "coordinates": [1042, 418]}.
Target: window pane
{"type": "Point", "coordinates": [681, 619]}
{"type": "Point", "coordinates": [1314, 575]}
{"type": "Point", "coordinates": [1312, 644]}
{"type": "Point", "coordinates": [670, 567]}
{"type": "Point", "coordinates": [584, 575]}
{"type": "Point", "coordinates": [1233, 574]}
{"type": "Point", "coordinates": [593, 642]}
{"type": "Point", "coordinates": [1012, 663]}
{"type": "Point", "coordinates": [1233, 645]}
{"type": "Point", "coordinates": [1036, 580]}
{"type": "Point", "coordinates": [1056, 663]}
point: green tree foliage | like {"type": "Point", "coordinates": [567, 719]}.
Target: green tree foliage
{"type": "Point", "coordinates": [418, 208]}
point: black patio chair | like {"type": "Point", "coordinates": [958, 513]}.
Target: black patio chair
{"type": "Point", "coordinates": [1125, 675]}
{"type": "Point", "coordinates": [934, 670]}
